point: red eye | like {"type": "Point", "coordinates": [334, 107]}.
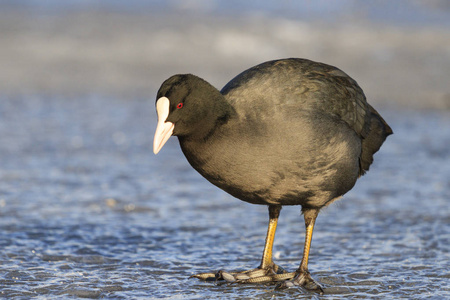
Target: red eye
{"type": "Point", "coordinates": [179, 105]}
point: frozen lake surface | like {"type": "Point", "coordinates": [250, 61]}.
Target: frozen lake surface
{"type": "Point", "coordinates": [86, 210]}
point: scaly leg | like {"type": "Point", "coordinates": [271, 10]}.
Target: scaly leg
{"type": "Point", "coordinates": [302, 276]}
{"type": "Point", "coordinates": [267, 271]}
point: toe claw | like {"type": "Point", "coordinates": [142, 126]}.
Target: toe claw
{"type": "Point", "coordinates": [309, 283]}
{"type": "Point", "coordinates": [304, 280]}
{"type": "Point", "coordinates": [204, 276]}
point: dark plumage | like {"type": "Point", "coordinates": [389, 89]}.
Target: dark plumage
{"type": "Point", "coordinates": [285, 132]}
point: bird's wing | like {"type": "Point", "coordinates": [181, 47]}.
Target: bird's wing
{"type": "Point", "coordinates": [334, 92]}
{"type": "Point", "coordinates": [304, 85]}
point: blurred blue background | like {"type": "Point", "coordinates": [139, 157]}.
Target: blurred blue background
{"type": "Point", "coordinates": [397, 12]}
{"type": "Point", "coordinates": [129, 47]}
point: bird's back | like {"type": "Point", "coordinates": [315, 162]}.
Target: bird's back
{"type": "Point", "coordinates": [298, 85]}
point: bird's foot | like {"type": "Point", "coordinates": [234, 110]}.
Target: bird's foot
{"type": "Point", "coordinates": [272, 274]}
{"type": "Point", "coordinates": [302, 279]}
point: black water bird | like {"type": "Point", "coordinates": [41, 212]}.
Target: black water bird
{"type": "Point", "coordinates": [285, 132]}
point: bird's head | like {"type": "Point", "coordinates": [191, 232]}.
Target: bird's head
{"type": "Point", "coordinates": [186, 105]}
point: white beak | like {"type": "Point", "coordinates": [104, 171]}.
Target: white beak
{"type": "Point", "coordinates": [164, 129]}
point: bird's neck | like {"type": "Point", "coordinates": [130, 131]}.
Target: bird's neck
{"type": "Point", "coordinates": [218, 114]}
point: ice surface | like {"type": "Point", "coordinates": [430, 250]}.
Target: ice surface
{"type": "Point", "coordinates": [87, 211]}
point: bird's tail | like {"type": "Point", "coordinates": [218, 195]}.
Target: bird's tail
{"type": "Point", "coordinates": [378, 132]}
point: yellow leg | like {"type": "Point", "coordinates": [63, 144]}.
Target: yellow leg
{"type": "Point", "coordinates": [310, 220]}
{"type": "Point", "coordinates": [274, 213]}
{"type": "Point", "coordinates": [267, 270]}
{"type": "Point", "coordinates": [303, 277]}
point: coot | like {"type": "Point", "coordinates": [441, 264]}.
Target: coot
{"type": "Point", "coordinates": [285, 132]}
